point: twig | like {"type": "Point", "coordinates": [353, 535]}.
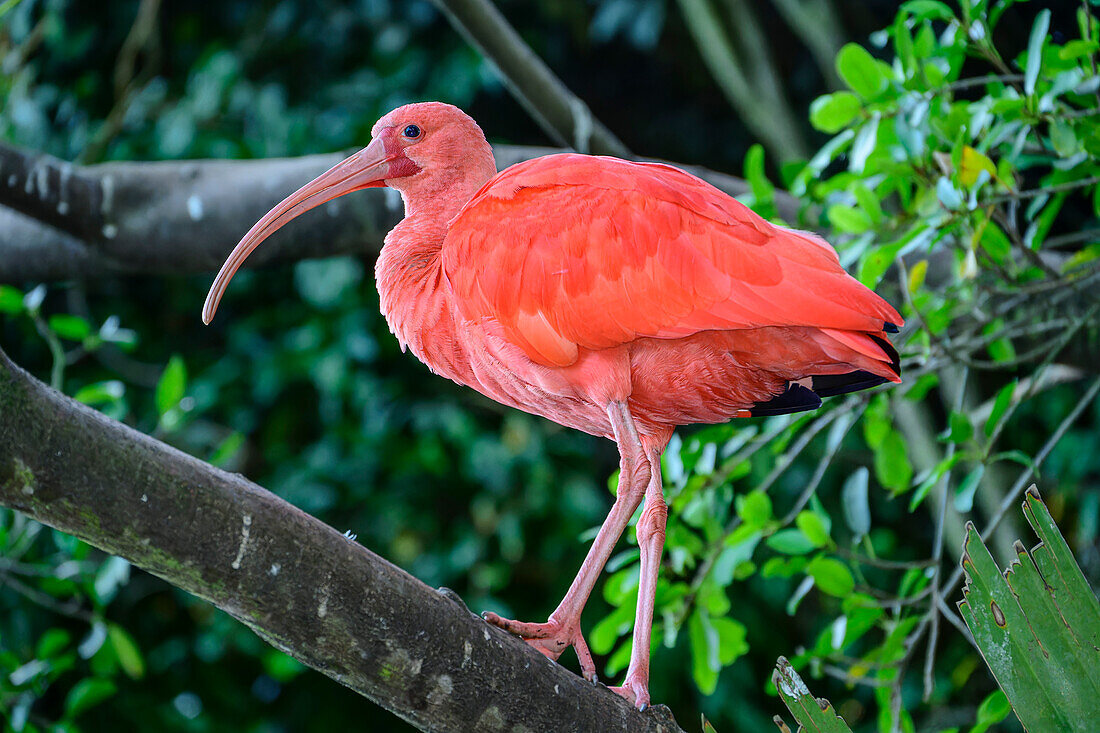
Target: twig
{"type": "Point", "coordinates": [728, 72]}
{"type": "Point", "coordinates": [816, 23]}
{"type": "Point", "coordinates": [559, 112]}
{"type": "Point", "coordinates": [937, 553]}
{"type": "Point", "coordinates": [953, 618]}
{"type": "Point", "coordinates": [1021, 484]}
{"type": "Point", "coordinates": [72, 609]}
{"type": "Point", "coordinates": [142, 34]}
{"type": "Point", "coordinates": [1033, 192]}
{"type": "Point", "coordinates": [884, 564]}
{"type": "Point", "coordinates": [852, 417]}
{"type": "Point", "coordinates": [845, 676]}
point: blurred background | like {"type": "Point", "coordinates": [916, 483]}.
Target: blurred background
{"type": "Point", "coordinates": [299, 386]}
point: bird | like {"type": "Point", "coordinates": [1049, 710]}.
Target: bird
{"type": "Point", "coordinates": [623, 299]}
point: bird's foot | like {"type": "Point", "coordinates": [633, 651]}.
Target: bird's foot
{"type": "Point", "coordinates": [635, 689]}
{"type": "Point", "coordinates": [551, 638]}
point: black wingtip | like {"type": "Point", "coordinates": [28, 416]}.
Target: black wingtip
{"type": "Point", "coordinates": [831, 385]}
{"type": "Point", "coordinates": [890, 327]}
{"type": "Point", "coordinates": [796, 398]}
{"type": "Point", "coordinates": [886, 346]}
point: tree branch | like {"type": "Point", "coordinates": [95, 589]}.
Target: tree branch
{"type": "Point", "coordinates": [172, 217]}
{"type": "Point", "coordinates": [560, 113]}
{"type": "Point", "coordinates": [298, 583]}
{"type": "Point", "coordinates": [816, 23]}
{"type": "Point", "coordinates": [778, 133]}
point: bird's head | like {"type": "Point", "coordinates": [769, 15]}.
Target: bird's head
{"type": "Point", "coordinates": [418, 148]}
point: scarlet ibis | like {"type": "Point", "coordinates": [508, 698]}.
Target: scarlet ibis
{"type": "Point", "coordinates": [618, 298]}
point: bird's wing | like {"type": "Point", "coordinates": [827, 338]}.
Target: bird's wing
{"type": "Point", "coordinates": [571, 251]}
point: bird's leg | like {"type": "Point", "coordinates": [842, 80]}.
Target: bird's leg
{"type": "Point", "coordinates": [651, 542]}
{"type": "Point", "coordinates": [563, 628]}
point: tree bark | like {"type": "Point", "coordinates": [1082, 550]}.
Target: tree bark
{"type": "Point", "coordinates": [64, 221]}
{"type": "Point", "coordinates": [298, 583]}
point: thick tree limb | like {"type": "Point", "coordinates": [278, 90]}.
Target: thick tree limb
{"type": "Point", "coordinates": [297, 582]}
{"type": "Point", "coordinates": [173, 217]}
{"type": "Point", "coordinates": [559, 112]}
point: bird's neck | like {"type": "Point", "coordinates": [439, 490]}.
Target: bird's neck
{"type": "Point", "coordinates": [412, 290]}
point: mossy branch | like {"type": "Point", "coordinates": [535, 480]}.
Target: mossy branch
{"type": "Point", "coordinates": [298, 583]}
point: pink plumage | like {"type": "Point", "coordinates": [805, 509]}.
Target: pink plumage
{"type": "Point", "coordinates": [619, 298]}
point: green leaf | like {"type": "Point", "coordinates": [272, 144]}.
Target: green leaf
{"type": "Point", "coordinates": [52, 642]}
{"type": "Point", "coordinates": [831, 113]}
{"type": "Point", "coordinates": [811, 713]}
{"type": "Point", "coordinates": [948, 195]}
{"type": "Point", "coordinates": [111, 576]}
{"type": "Point", "coordinates": [32, 301]}
{"type": "Point", "coordinates": [70, 327]}
{"type": "Point", "coordinates": [790, 542]}
{"type": "Point", "coordinates": [927, 10]}
{"type": "Point", "coordinates": [11, 299]}
{"type": "Point", "coordinates": [860, 71]}
{"type": "Point", "coordinates": [831, 576]}
{"type": "Point", "coordinates": [869, 203]}
{"type": "Point", "coordinates": [762, 189]}
{"type": "Point", "coordinates": [1037, 626]}
{"type": "Point", "coordinates": [100, 393]}
{"type": "Point", "coordinates": [731, 639]}
{"type": "Point", "coordinates": [994, 709]}
{"type": "Point", "coordinates": [959, 429]}
{"type": "Point", "coordinates": [892, 467]}
{"type": "Point", "coordinates": [705, 659]}
{"type": "Point", "coordinates": [857, 508]}
{"type": "Point", "coordinates": [964, 495]}
{"type": "Point", "coordinates": [172, 385]}
{"type": "Point", "coordinates": [1001, 404]}
{"type": "Point", "coordinates": [754, 508]}
{"type": "Point", "coordinates": [863, 145]}
{"type": "Point", "coordinates": [996, 243]}
{"type": "Point", "coordinates": [126, 649]}
{"type": "Point", "coordinates": [800, 592]}
{"type": "Point", "coordinates": [86, 694]}
{"type": "Point", "coordinates": [1035, 50]}
{"type": "Point", "coordinates": [813, 528]}
{"type": "Point", "coordinates": [1064, 138]}
{"type": "Point", "coordinates": [848, 219]}
{"type": "Point", "coordinates": [227, 450]}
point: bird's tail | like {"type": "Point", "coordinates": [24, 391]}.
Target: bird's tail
{"type": "Point", "coordinates": [873, 359]}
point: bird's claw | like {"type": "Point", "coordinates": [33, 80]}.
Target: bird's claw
{"type": "Point", "coordinates": [551, 638]}
{"type": "Point", "coordinates": [635, 690]}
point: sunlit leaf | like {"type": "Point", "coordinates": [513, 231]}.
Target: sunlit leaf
{"type": "Point", "coordinates": [860, 71]}
{"type": "Point", "coordinates": [790, 542]}
{"type": "Point", "coordinates": [831, 576]}
{"type": "Point", "coordinates": [1001, 404]}
{"type": "Point", "coordinates": [831, 113]}
{"type": "Point", "coordinates": [11, 299]}
{"type": "Point", "coordinates": [171, 386]}
{"type": "Point", "coordinates": [856, 506]}
{"type": "Point", "coordinates": [1035, 50]}
{"type": "Point", "coordinates": [813, 528]}
{"type": "Point", "coordinates": [87, 693]}
{"type": "Point", "coordinates": [964, 495]}
{"type": "Point", "coordinates": [126, 649]}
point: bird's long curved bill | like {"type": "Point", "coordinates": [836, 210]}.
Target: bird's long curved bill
{"type": "Point", "coordinates": [369, 167]}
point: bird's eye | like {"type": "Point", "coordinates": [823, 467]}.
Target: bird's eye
{"type": "Point", "coordinates": [412, 132]}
